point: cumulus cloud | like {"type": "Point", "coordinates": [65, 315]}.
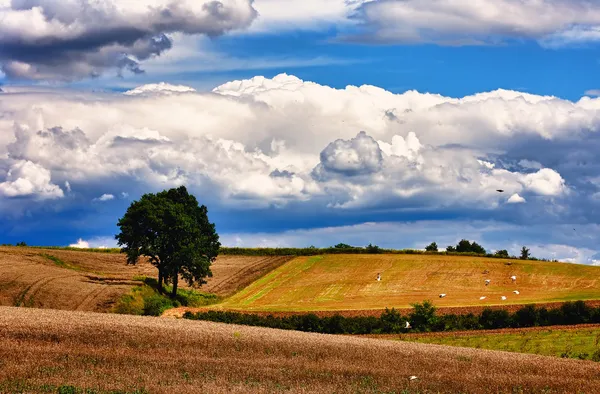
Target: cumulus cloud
{"type": "Point", "coordinates": [71, 39]}
{"type": "Point", "coordinates": [552, 23]}
{"type": "Point", "coordinates": [105, 197]}
{"type": "Point", "coordinates": [81, 244]}
{"type": "Point", "coordinates": [516, 199]}
{"type": "Point", "coordinates": [280, 142]}
{"type": "Point", "coordinates": [25, 178]}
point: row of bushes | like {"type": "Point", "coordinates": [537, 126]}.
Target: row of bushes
{"type": "Point", "coordinates": [423, 318]}
{"type": "Point", "coordinates": [311, 251]}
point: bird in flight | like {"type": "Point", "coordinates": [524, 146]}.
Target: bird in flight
{"type": "Point", "coordinates": [500, 191]}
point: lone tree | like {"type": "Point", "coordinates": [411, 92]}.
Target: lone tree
{"type": "Point", "coordinates": [174, 233]}
{"type": "Point", "coordinates": [524, 253]}
{"type": "Point", "coordinates": [432, 247]}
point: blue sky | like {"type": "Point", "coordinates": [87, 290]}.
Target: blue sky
{"type": "Point", "coordinates": [307, 123]}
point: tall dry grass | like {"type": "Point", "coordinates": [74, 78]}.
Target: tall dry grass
{"type": "Point", "coordinates": [109, 352]}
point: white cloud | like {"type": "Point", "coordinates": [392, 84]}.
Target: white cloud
{"type": "Point", "coordinates": [516, 199]}
{"type": "Point", "coordinates": [81, 244]}
{"type": "Point", "coordinates": [274, 141]}
{"type": "Point", "coordinates": [124, 195]}
{"type": "Point", "coordinates": [552, 22]}
{"type": "Point", "coordinates": [68, 186]}
{"type": "Point", "coordinates": [25, 178]}
{"type": "Point", "coordinates": [105, 197]}
{"type": "Point", "coordinates": [277, 15]}
{"type": "Point", "coordinates": [161, 87]}
{"type": "Point", "coordinates": [74, 39]}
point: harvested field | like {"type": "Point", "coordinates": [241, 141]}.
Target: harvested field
{"type": "Point", "coordinates": [40, 349]}
{"type": "Point", "coordinates": [579, 341]}
{"type": "Point", "coordinates": [233, 273]}
{"type": "Point", "coordinates": [88, 281]}
{"type": "Point", "coordinates": [348, 282]}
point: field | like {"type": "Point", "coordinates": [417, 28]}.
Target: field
{"type": "Point", "coordinates": [581, 341]}
{"type": "Point", "coordinates": [88, 281]}
{"type": "Point", "coordinates": [348, 282]}
{"type": "Point", "coordinates": [41, 350]}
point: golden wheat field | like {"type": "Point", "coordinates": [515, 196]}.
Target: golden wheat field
{"type": "Point", "coordinates": [44, 349]}
{"type": "Point", "coordinates": [90, 281]}
{"type": "Point", "coordinates": [348, 282]}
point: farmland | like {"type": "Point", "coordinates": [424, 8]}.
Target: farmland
{"type": "Point", "coordinates": [348, 282]}
{"type": "Point", "coordinates": [128, 353]}
{"type": "Point", "coordinates": [88, 281]}
{"type": "Point", "coordinates": [581, 342]}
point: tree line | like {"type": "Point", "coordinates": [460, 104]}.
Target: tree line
{"type": "Point", "coordinates": [465, 246]}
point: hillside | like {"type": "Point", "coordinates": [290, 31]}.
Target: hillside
{"type": "Point", "coordinates": [41, 350]}
{"type": "Point", "coordinates": [348, 282]}
{"type": "Point", "coordinates": [89, 281]}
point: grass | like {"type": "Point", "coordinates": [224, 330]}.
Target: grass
{"type": "Point", "coordinates": [582, 343]}
{"type": "Point", "coordinates": [60, 263]}
{"type": "Point", "coordinates": [111, 353]}
{"type": "Point", "coordinates": [347, 282]}
{"type": "Point", "coordinates": [147, 300]}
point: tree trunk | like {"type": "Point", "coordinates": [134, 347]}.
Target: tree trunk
{"type": "Point", "coordinates": [160, 281]}
{"type": "Point", "coordinates": [175, 280]}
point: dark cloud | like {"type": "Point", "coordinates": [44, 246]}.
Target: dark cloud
{"type": "Point", "coordinates": [83, 38]}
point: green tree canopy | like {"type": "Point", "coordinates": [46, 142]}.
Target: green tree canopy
{"type": "Point", "coordinates": [432, 247]}
{"type": "Point", "coordinates": [502, 253]}
{"type": "Point", "coordinates": [173, 231]}
{"type": "Point", "coordinates": [524, 253]}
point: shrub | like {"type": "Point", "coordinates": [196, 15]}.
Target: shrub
{"type": "Point", "coordinates": [432, 247]}
{"type": "Point", "coordinates": [156, 304]}
{"type": "Point", "coordinates": [492, 319]}
{"type": "Point", "coordinates": [423, 317]}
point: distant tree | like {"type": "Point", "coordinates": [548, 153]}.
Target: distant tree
{"type": "Point", "coordinates": [174, 233]}
{"type": "Point", "coordinates": [342, 246]}
{"type": "Point", "coordinates": [476, 248]}
{"type": "Point", "coordinates": [22, 243]}
{"type": "Point", "coordinates": [524, 253]}
{"type": "Point", "coordinates": [463, 246]}
{"type": "Point", "coordinates": [501, 253]}
{"type": "Point", "coordinates": [450, 248]}
{"type": "Point", "coordinates": [432, 247]}
{"type": "Point", "coordinates": [373, 249]}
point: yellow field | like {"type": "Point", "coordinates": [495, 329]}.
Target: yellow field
{"type": "Point", "coordinates": [344, 282]}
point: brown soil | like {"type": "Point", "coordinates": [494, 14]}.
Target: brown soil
{"type": "Point", "coordinates": [114, 352]}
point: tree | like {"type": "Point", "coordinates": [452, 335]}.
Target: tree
{"type": "Point", "coordinates": [476, 248]}
{"type": "Point", "coordinates": [450, 248]}
{"type": "Point", "coordinates": [22, 243]}
{"type": "Point", "coordinates": [173, 231]}
{"type": "Point", "coordinates": [373, 249]}
{"type": "Point", "coordinates": [501, 253]}
{"type": "Point", "coordinates": [463, 246]}
{"type": "Point", "coordinates": [432, 247]}
{"type": "Point", "coordinates": [342, 246]}
{"type": "Point", "coordinates": [524, 253]}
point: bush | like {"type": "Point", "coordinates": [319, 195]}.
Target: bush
{"type": "Point", "coordinates": [432, 247]}
{"type": "Point", "coordinates": [492, 319]}
{"type": "Point", "coordinates": [156, 304]}
{"type": "Point", "coordinates": [423, 317]}
{"type": "Point", "coordinates": [373, 249]}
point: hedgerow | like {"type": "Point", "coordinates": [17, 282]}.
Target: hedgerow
{"type": "Point", "coordinates": [423, 318]}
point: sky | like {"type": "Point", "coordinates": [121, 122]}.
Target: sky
{"type": "Point", "coordinates": [306, 122]}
